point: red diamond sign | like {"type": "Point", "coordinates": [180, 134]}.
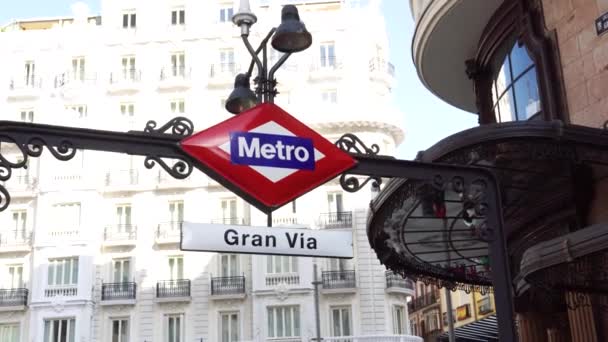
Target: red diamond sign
{"type": "Point", "coordinates": [267, 154]}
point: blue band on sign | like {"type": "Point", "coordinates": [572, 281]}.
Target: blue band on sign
{"type": "Point", "coordinates": [284, 151]}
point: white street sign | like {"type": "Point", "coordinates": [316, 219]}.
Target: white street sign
{"type": "Point", "coordinates": [266, 240]}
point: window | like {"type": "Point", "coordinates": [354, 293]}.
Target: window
{"type": "Point", "coordinates": [226, 14]}
{"type": "Point", "coordinates": [329, 96]}
{"type": "Point", "coordinates": [9, 332]}
{"type": "Point", "coordinates": [15, 277]}
{"type": "Point", "coordinates": [341, 324]}
{"type": "Point", "coordinates": [178, 64]}
{"type": "Point", "coordinates": [227, 61]}
{"type": "Point", "coordinates": [229, 326]}
{"type": "Point", "coordinates": [334, 202]}
{"type": "Point", "coordinates": [80, 110]}
{"type": "Point", "coordinates": [127, 110]}
{"type": "Point", "coordinates": [281, 264]}
{"type": "Point", "coordinates": [63, 271]}
{"type": "Point", "coordinates": [484, 305]}
{"type": "Point", "coordinates": [121, 270]}
{"type": "Point", "coordinates": [413, 327]}
{"type": "Point", "coordinates": [27, 115]}
{"type": "Point", "coordinates": [129, 19]}
{"type": "Point", "coordinates": [283, 321]}
{"type": "Point", "coordinates": [30, 68]}
{"type": "Point", "coordinates": [78, 73]}
{"type": "Point", "coordinates": [327, 55]}
{"type": "Point", "coordinates": [399, 320]}
{"type": "Point", "coordinates": [67, 215]}
{"type": "Point", "coordinates": [60, 330]}
{"type": "Point", "coordinates": [336, 264]}
{"type": "Point", "coordinates": [229, 265]}
{"type": "Point", "coordinates": [515, 89]}
{"type": "Point", "coordinates": [229, 214]}
{"type": "Point", "coordinates": [123, 216]}
{"type": "Point", "coordinates": [176, 214]}
{"type": "Point", "coordinates": [176, 267]}
{"type": "Point", "coordinates": [120, 330]}
{"type": "Point", "coordinates": [174, 328]}
{"type": "Point", "coordinates": [178, 16]}
{"type": "Point", "coordinates": [128, 68]}
{"type": "Point", "coordinates": [19, 223]}
{"type": "Point", "coordinates": [178, 106]}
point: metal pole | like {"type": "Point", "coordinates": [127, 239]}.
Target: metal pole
{"type": "Point", "coordinates": [269, 219]}
{"type": "Point", "coordinates": [316, 284]}
{"type": "Point", "coordinates": [448, 304]}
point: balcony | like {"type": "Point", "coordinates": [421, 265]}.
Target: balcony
{"type": "Point", "coordinates": [284, 220]}
{"type": "Point", "coordinates": [120, 235]}
{"type": "Point", "coordinates": [21, 185]}
{"type": "Point", "coordinates": [222, 75]}
{"type": "Point", "coordinates": [228, 287]}
{"type": "Point", "coordinates": [122, 178]}
{"type": "Point", "coordinates": [395, 283]}
{"type": "Point", "coordinates": [15, 241]}
{"type": "Point", "coordinates": [61, 291]}
{"type": "Point", "coordinates": [165, 181]}
{"type": "Point", "coordinates": [343, 219]}
{"type": "Point", "coordinates": [282, 278]}
{"type": "Point", "coordinates": [168, 233]}
{"type": "Point", "coordinates": [58, 235]}
{"type": "Point", "coordinates": [13, 299]}
{"type": "Point", "coordinates": [124, 82]}
{"type": "Point", "coordinates": [118, 293]}
{"type": "Point", "coordinates": [339, 281]}
{"type": "Point", "coordinates": [71, 83]}
{"type": "Point", "coordinates": [424, 301]}
{"type": "Point", "coordinates": [382, 71]}
{"type": "Point", "coordinates": [173, 291]}
{"type": "Point", "coordinates": [329, 68]}
{"type": "Point", "coordinates": [375, 338]}
{"type": "Point", "coordinates": [238, 221]}
{"type": "Point", "coordinates": [25, 88]}
{"type": "Point", "coordinates": [174, 78]}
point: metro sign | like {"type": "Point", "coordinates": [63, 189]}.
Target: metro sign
{"type": "Point", "coordinates": [267, 156]}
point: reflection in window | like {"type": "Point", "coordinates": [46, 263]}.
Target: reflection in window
{"type": "Point", "coordinates": [515, 89]}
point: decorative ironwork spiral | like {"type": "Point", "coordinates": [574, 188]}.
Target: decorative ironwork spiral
{"type": "Point", "coordinates": [181, 169]}
{"type": "Point", "coordinates": [5, 198]}
{"type": "Point", "coordinates": [178, 126]}
{"type": "Point", "coordinates": [353, 144]}
{"type": "Point", "coordinates": [64, 150]}
{"type": "Point", "coordinates": [351, 183]}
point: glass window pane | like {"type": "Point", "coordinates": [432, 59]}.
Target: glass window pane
{"type": "Point", "coordinates": [507, 107]}
{"type": "Point", "coordinates": [115, 331]}
{"type": "Point", "coordinates": [279, 317]}
{"type": "Point", "coordinates": [234, 327]}
{"type": "Point", "coordinates": [296, 321]}
{"type": "Point", "coordinates": [346, 322]}
{"type": "Point", "coordinates": [286, 263]}
{"type": "Point", "coordinates": [270, 322]}
{"type": "Point", "coordinates": [60, 264]}
{"type": "Point", "coordinates": [171, 329]}
{"type": "Point", "coordinates": [225, 328]}
{"type": "Point", "coordinates": [47, 331]}
{"type": "Point", "coordinates": [526, 95]}
{"type": "Point", "coordinates": [269, 264]}
{"type": "Point", "coordinates": [520, 59]}
{"type": "Point", "coordinates": [336, 322]}
{"type": "Point", "coordinates": [288, 320]}
{"type": "Point", "coordinates": [51, 275]}
{"type": "Point", "coordinates": [124, 335]}
{"type": "Point", "coordinates": [75, 271]}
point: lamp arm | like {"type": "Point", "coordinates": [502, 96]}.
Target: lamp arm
{"type": "Point", "coordinates": [264, 42]}
{"type": "Point", "coordinates": [271, 75]}
{"type": "Point", "coordinates": [254, 55]}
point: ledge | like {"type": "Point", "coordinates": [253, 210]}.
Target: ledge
{"type": "Point", "coordinates": [173, 299]}
{"type": "Point", "coordinates": [109, 302]}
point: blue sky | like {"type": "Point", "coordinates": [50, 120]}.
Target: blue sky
{"type": "Point", "coordinates": [426, 118]}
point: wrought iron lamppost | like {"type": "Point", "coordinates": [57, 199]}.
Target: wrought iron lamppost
{"type": "Point", "coordinates": [290, 37]}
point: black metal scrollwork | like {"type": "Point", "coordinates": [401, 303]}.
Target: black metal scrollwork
{"type": "Point", "coordinates": [178, 126]}
{"type": "Point", "coordinates": [353, 144]}
{"type": "Point", "coordinates": [181, 169]}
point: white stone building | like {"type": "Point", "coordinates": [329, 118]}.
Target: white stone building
{"type": "Point", "coordinates": [89, 247]}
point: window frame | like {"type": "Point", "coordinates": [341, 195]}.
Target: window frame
{"type": "Point", "coordinates": [182, 327]}
{"type": "Point", "coordinates": [120, 321]}
{"type": "Point", "coordinates": [71, 329]}
{"type": "Point", "coordinates": [129, 19]}
{"type": "Point", "coordinates": [230, 314]}
{"type": "Point", "coordinates": [272, 265]}
{"type": "Point", "coordinates": [53, 267]}
{"type": "Point", "coordinates": [178, 16]}
{"type": "Point", "coordinates": [296, 324]}
{"type": "Point", "coordinates": [340, 309]}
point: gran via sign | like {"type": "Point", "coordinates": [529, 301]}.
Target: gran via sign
{"type": "Point", "coordinates": [265, 240]}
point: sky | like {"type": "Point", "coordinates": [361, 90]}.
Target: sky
{"type": "Point", "coordinates": [427, 119]}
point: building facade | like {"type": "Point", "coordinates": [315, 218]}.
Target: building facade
{"type": "Point", "coordinates": [534, 73]}
{"type": "Point", "coordinates": [89, 247]}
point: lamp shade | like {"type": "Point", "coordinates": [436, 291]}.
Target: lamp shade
{"type": "Point", "coordinates": [291, 35]}
{"type": "Point", "coordinates": [241, 98]}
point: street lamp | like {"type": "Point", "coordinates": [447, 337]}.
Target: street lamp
{"type": "Point", "coordinates": [291, 36]}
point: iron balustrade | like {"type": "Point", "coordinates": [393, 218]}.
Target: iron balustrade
{"type": "Point", "coordinates": [338, 279]}
{"type": "Point", "coordinates": [30, 81]}
{"type": "Point", "coordinates": [18, 237]}
{"type": "Point", "coordinates": [120, 232]}
{"type": "Point", "coordinates": [227, 285]}
{"type": "Point", "coordinates": [125, 75]}
{"type": "Point", "coordinates": [341, 219]}
{"type": "Point", "coordinates": [423, 301]}
{"type": "Point", "coordinates": [231, 220]}
{"type": "Point", "coordinates": [223, 69]}
{"type": "Point", "coordinates": [174, 72]}
{"type": "Point", "coordinates": [379, 64]}
{"type": "Point", "coordinates": [114, 291]}
{"type": "Point", "coordinates": [173, 288]}
{"type": "Point", "coordinates": [396, 280]}
{"type": "Point", "coordinates": [168, 230]}
{"type": "Point", "coordinates": [329, 62]}
{"type": "Point", "coordinates": [13, 297]}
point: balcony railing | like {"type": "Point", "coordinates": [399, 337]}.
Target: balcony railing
{"type": "Point", "coordinates": [173, 288]}
{"type": "Point", "coordinates": [122, 177]}
{"type": "Point", "coordinates": [423, 301]}
{"type": "Point", "coordinates": [15, 238]}
{"type": "Point", "coordinates": [26, 82]}
{"type": "Point", "coordinates": [120, 232]}
{"type": "Point", "coordinates": [13, 297]}
{"type": "Point", "coordinates": [174, 73]}
{"type": "Point", "coordinates": [396, 280]}
{"type": "Point", "coordinates": [221, 286]}
{"type": "Point", "coordinates": [278, 221]}
{"type": "Point", "coordinates": [61, 291]}
{"type": "Point", "coordinates": [282, 278]}
{"type": "Point", "coordinates": [169, 230]}
{"type": "Point", "coordinates": [380, 65]}
{"type": "Point", "coordinates": [223, 69]}
{"type": "Point", "coordinates": [118, 291]}
{"type": "Point", "coordinates": [375, 338]}
{"type": "Point", "coordinates": [343, 219]}
{"type": "Point", "coordinates": [125, 76]}
{"type": "Point", "coordinates": [327, 63]}
{"type": "Point", "coordinates": [231, 220]}
{"type": "Point", "coordinates": [79, 78]}
{"type": "Point", "coordinates": [338, 280]}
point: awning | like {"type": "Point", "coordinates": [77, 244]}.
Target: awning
{"type": "Point", "coordinates": [484, 330]}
